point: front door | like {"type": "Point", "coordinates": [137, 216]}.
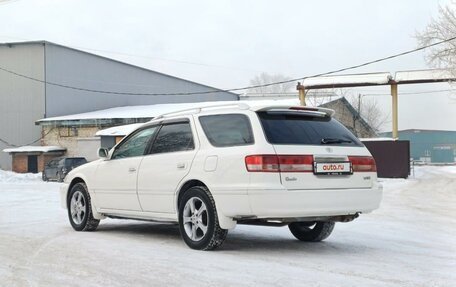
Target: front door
{"type": "Point", "coordinates": [115, 179]}
{"type": "Point", "coordinates": [32, 164]}
{"type": "Point", "coordinates": [167, 163]}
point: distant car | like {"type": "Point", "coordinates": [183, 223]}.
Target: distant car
{"type": "Point", "coordinates": [58, 168]}
{"type": "Point", "coordinates": [212, 167]}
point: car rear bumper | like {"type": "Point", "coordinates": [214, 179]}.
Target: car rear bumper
{"type": "Point", "coordinates": [282, 203]}
{"type": "Point", "coordinates": [309, 203]}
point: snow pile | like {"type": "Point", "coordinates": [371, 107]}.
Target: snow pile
{"type": "Point", "coordinates": [35, 149]}
{"type": "Point", "coordinates": [430, 171]}
{"type": "Point", "coordinates": [12, 177]}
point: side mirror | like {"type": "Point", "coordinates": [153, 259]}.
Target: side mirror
{"type": "Point", "coordinates": [103, 152]}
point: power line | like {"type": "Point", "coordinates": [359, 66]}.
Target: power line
{"type": "Point", "coordinates": [166, 59]}
{"type": "Point", "coordinates": [30, 143]}
{"type": "Point", "coordinates": [233, 89]}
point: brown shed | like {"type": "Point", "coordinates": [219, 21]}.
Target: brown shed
{"type": "Point", "coordinates": [33, 158]}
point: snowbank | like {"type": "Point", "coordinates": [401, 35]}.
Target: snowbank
{"type": "Point", "coordinates": [12, 177]}
{"type": "Point", "coordinates": [430, 171]}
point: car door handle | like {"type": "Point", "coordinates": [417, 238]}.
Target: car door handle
{"type": "Point", "coordinates": [132, 169]}
{"type": "Point", "coordinates": [181, 165]}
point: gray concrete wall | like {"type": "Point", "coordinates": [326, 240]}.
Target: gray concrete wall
{"type": "Point", "coordinates": [21, 100]}
{"type": "Point", "coordinates": [76, 68]}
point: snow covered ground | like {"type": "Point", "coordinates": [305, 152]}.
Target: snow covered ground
{"type": "Point", "coordinates": [409, 241]}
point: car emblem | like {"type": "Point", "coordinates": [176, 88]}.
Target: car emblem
{"type": "Point", "coordinates": [328, 149]}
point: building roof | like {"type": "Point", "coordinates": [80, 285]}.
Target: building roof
{"type": "Point", "coordinates": [423, 130]}
{"type": "Point", "coordinates": [44, 42]}
{"type": "Point", "coordinates": [29, 149]}
{"type": "Point", "coordinates": [145, 112]}
{"type": "Point", "coordinates": [352, 110]}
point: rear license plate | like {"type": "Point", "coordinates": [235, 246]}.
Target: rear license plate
{"type": "Point", "coordinates": [332, 168]}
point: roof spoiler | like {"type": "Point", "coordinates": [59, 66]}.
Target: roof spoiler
{"type": "Point", "coordinates": [318, 110]}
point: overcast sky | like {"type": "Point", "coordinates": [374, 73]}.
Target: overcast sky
{"type": "Point", "coordinates": [226, 43]}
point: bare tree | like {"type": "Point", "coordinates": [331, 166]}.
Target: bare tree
{"type": "Point", "coordinates": [265, 78]}
{"type": "Point", "coordinates": [369, 111]}
{"type": "Point", "coordinates": [439, 29]}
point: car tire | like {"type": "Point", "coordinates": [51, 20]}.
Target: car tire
{"type": "Point", "coordinates": [311, 231]}
{"type": "Point", "coordinates": [80, 209]}
{"type": "Point", "coordinates": [44, 177]}
{"type": "Point", "coordinates": [198, 220]}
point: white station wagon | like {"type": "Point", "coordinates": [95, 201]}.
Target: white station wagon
{"type": "Point", "coordinates": [209, 168]}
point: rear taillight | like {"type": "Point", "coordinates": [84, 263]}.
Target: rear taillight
{"type": "Point", "coordinates": [363, 163]}
{"type": "Point", "coordinates": [279, 163]}
{"type": "Point", "coordinates": [295, 163]}
{"type": "Point", "coordinates": [262, 163]}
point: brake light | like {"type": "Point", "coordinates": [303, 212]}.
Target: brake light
{"type": "Point", "coordinates": [279, 163]}
{"type": "Point", "coordinates": [363, 163]}
{"type": "Point", "coordinates": [295, 163]}
{"type": "Point", "coordinates": [262, 163]}
{"type": "Point", "coordinates": [304, 109]}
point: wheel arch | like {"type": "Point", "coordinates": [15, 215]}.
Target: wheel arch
{"type": "Point", "coordinates": [73, 182]}
{"type": "Point", "coordinates": [186, 186]}
{"type": "Point", "coordinates": [225, 222]}
{"type": "Point", "coordinates": [76, 180]}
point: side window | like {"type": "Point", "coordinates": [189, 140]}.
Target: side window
{"type": "Point", "coordinates": [227, 130]}
{"type": "Point", "coordinates": [135, 145]}
{"type": "Point", "coordinates": [52, 163]}
{"type": "Point", "coordinates": [173, 138]}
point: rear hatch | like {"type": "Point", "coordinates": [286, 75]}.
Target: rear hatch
{"type": "Point", "coordinates": [315, 151]}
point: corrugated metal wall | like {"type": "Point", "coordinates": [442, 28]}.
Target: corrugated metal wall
{"type": "Point", "coordinates": [21, 100]}
{"type": "Point", "coordinates": [76, 68]}
{"type": "Point", "coordinates": [430, 145]}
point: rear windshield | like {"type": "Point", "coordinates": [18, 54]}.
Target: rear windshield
{"type": "Point", "coordinates": [297, 128]}
{"type": "Point", "coordinates": [76, 161]}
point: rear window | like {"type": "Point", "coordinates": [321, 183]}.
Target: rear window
{"type": "Point", "coordinates": [227, 130]}
{"type": "Point", "coordinates": [297, 128]}
{"type": "Point", "coordinates": [77, 161]}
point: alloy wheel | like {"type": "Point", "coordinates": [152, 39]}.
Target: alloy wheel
{"type": "Point", "coordinates": [195, 219]}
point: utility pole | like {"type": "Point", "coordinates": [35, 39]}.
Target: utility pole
{"type": "Point", "coordinates": [359, 104]}
{"type": "Point", "coordinates": [394, 109]}
{"type": "Point", "coordinates": [302, 94]}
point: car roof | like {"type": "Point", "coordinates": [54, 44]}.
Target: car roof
{"type": "Point", "coordinates": [242, 106]}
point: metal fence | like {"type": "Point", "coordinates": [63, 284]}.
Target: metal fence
{"type": "Point", "coordinates": [392, 157]}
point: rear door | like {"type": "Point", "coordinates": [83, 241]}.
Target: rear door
{"type": "Point", "coordinates": [316, 151]}
{"type": "Point", "coordinates": [167, 163]}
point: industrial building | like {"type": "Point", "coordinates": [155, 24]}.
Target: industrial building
{"type": "Point", "coordinates": [430, 146]}
{"type": "Point", "coordinates": [42, 79]}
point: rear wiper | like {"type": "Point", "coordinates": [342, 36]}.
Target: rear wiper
{"type": "Point", "coordinates": [334, 141]}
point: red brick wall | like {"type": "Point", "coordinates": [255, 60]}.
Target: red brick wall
{"type": "Point", "coordinates": [20, 162]}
